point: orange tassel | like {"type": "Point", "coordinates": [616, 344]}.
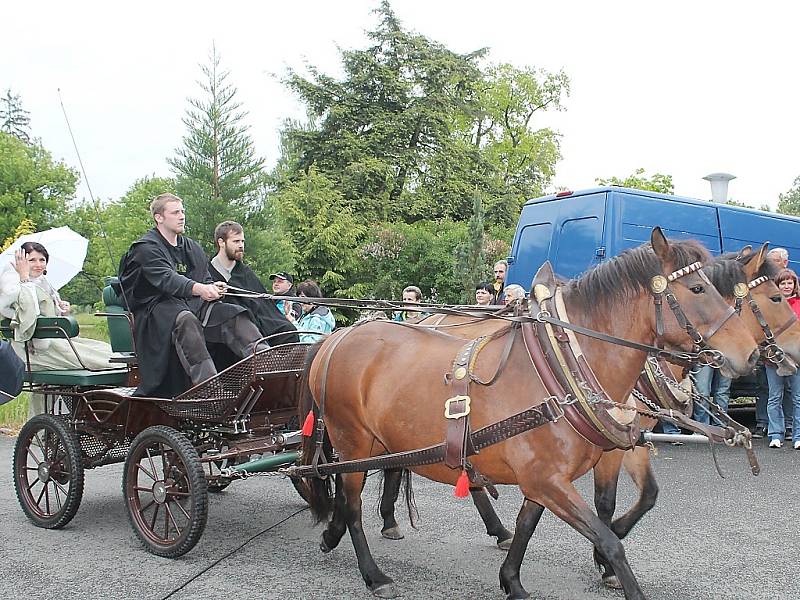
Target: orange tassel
{"type": "Point", "coordinates": [308, 424]}
{"type": "Point", "coordinates": [462, 485]}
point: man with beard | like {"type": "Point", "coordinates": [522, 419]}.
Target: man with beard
{"type": "Point", "coordinates": [165, 282]}
{"type": "Point", "coordinates": [227, 266]}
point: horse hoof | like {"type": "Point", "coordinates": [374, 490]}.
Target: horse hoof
{"type": "Point", "coordinates": [387, 590]}
{"type": "Point", "coordinates": [504, 544]}
{"type": "Point", "coordinates": [323, 546]}
{"type": "Point", "coordinates": [393, 533]}
{"type": "Point", "coordinates": [612, 581]}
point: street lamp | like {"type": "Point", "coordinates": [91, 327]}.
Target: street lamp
{"type": "Point", "coordinates": [719, 186]}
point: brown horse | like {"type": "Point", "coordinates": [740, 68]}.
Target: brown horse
{"type": "Point", "coordinates": [381, 397]}
{"type": "Point", "coordinates": [743, 268]}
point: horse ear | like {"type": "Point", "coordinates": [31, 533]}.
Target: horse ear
{"type": "Point", "coordinates": [544, 282]}
{"type": "Point", "coordinates": [754, 262]}
{"type": "Point", "coordinates": [745, 254]}
{"type": "Point", "coordinates": [662, 249]}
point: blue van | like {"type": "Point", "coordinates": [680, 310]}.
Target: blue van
{"type": "Point", "coordinates": [577, 230]}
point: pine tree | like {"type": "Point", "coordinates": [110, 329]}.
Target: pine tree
{"type": "Point", "coordinates": [218, 173]}
{"type": "Point", "coordinates": [13, 118]}
{"type": "Point", "coordinates": [470, 257]}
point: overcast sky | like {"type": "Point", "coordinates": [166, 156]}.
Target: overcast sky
{"type": "Point", "coordinates": [681, 88]}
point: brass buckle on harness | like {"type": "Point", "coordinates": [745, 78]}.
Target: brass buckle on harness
{"type": "Point", "coordinates": [459, 411]}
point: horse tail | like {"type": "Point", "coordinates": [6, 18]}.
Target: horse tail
{"type": "Point", "coordinates": [319, 490]}
{"type": "Point", "coordinates": [411, 503]}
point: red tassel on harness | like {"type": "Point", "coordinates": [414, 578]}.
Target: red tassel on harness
{"type": "Point", "coordinates": [308, 424]}
{"type": "Point", "coordinates": [462, 485]}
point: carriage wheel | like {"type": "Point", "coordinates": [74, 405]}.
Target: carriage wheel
{"type": "Point", "coordinates": [165, 491]}
{"type": "Point", "coordinates": [302, 487]}
{"type": "Point", "coordinates": [48, 471]}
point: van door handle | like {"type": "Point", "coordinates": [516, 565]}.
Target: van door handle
{"type": "Point", "coordinates": [600, 252]}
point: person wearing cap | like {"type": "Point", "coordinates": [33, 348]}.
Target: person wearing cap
{"type": "Point", "coordinates": [227, 266]}
{"type": "Point", "coordinates": [283, 285]}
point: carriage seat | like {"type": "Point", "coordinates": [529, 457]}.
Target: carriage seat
{"type": "Point", "coordinates": [120, 323]}
{"type": "Point", "coordinates": [63, 328]}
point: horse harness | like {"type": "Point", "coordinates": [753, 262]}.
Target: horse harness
{"type": "Point", "coordinates": [574, 391]}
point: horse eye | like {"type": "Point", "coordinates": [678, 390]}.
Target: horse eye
{"type": "Point", "coordinates": [776, 299]}
{"type": "Point", "coordinates": [697, 289]}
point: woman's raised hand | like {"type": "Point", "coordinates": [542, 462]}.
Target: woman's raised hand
{"type": "Point", "coordinates": [21, 265]}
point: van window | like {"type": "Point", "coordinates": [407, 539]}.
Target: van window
{"type": "Point", "coordinates": [578, 241]}
{"type": "Point", "coordinates": [532, 248]}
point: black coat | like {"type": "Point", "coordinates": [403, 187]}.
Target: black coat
{"type": "Point", "coordinates": [156, 292]}
{"type": "Point", "coordinates": [262, 312]}
{"type": "Point", "coordinates": [12, 370]}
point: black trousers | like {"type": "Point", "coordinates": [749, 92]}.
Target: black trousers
{"type": "Point", "coordinates": [189, 337]}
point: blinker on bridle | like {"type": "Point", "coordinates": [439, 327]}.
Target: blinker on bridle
{"type": "Point", "coordinates": [659, 287]}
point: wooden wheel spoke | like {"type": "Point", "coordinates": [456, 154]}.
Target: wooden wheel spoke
{"type": "Point", "coordinates": [183, 510]}
{"type": "Point", "coordinates": [33, 483]}
{"type": "Point", "coordinates": [144, 508]}
{"type": "Point", "coordinates": [155, 516]}
{"type": "Point", "coordinates": [47, 498]}
{"type": "Point", "coordinates": [35, 458]}
{"type": "Point", "coordinates": [180, 494]}
{"type": "Point", "coordinates": [174, 522]}
{"type": "Point", "coordinates": [148, 473]}
{"type": "Point", "coordinates": [40, 445]}
{"type": "Point", "coordinates": [152, 464]}
{"type": "Point", "coordinates": [60, 487]}
{"type": "Point", "coordinates": [139, 488]}
{"type": "Point", "coordinates": [56, 487]}
{"type": "Point", "coordinates": [41, 495]}
{"type": "Point", "coordinates": [166, 522]}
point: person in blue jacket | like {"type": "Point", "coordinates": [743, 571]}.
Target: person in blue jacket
{"type": "Point", "coordinates": [315, 318]}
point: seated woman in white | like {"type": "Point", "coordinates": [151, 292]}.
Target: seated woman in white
{"type": "Point", "coordinates": [26, 294]}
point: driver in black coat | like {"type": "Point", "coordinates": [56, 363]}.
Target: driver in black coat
{"type": "Point", "coordinates": [165, 282]}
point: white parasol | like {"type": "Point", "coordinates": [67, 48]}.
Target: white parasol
{"type": "Point", "coordinates": [66, 248]}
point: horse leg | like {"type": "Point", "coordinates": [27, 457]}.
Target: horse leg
{"type": "Point", "coordinates": [379, 583]}
{"type": "Point", "coordinates": [528, 518]}
{"type": "Point", "coordinates": [392, 479]}
{"type": "Point", "coordinates": [337, 525]}
{"type": "Point", "coordinates": [494, 527]}
{"type": "Point", "coordinates": [566, 503]}
{"type": "Point", "coordinates": [606, 479]}
{"type": "Point", "coordinates": [637, 464]}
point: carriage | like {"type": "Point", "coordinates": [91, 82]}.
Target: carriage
{"type": "Point", "coordinates": [175, 451]}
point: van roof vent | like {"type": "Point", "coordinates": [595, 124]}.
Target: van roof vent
{"type": "Point", "coordinates": [719, 186]}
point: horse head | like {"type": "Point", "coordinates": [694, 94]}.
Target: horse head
{"type": "Point", "coordinates": [699, 315]}
{"type": "Point", "coordinates": [765, 298]}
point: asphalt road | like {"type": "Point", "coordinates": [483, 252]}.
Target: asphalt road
{"type": "Point", "coordinates": [707, 537]}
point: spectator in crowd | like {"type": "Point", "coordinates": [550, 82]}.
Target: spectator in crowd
{"type": "Point", "coordinates": [512, 293]}
{"type": "Point", "coordinates": [12, 371]}
{"type": "Point", "coordinates": [227, 266]}
{"type": "Point", "coordinates": [315, 318]}
{"type": "Point", "coordinates": [780, 256]}
{"type": "Point", "coordinates": [710, 383]}
{"type": "Point", "coordinates": [176, 308]}
{"type": "Point", "coordinates": [500, 270]}
{"type": "Point", "coordinates": [283, 285]}
{"type": "Point", "coordinates": [411, 294]}
{"type": "Point", "coordinates": [786, 281]}
{"type": "Point", "coordinates": [484, 294]}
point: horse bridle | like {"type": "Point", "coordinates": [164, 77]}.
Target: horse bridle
{"type": "Point", "coordinates": [660, 289]}
{"type": "Point", "coordinates": [769, 347]}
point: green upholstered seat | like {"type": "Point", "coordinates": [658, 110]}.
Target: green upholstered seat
{"type": "Point", "coordinates": [46, 327]}
{"type": "Point", "coordinates": [79, 377]}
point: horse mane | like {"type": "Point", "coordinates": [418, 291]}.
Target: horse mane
{"type": "Point", "coordinates": [725, 272]}
{"type": "Point", "coordinates": [624, 276]}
